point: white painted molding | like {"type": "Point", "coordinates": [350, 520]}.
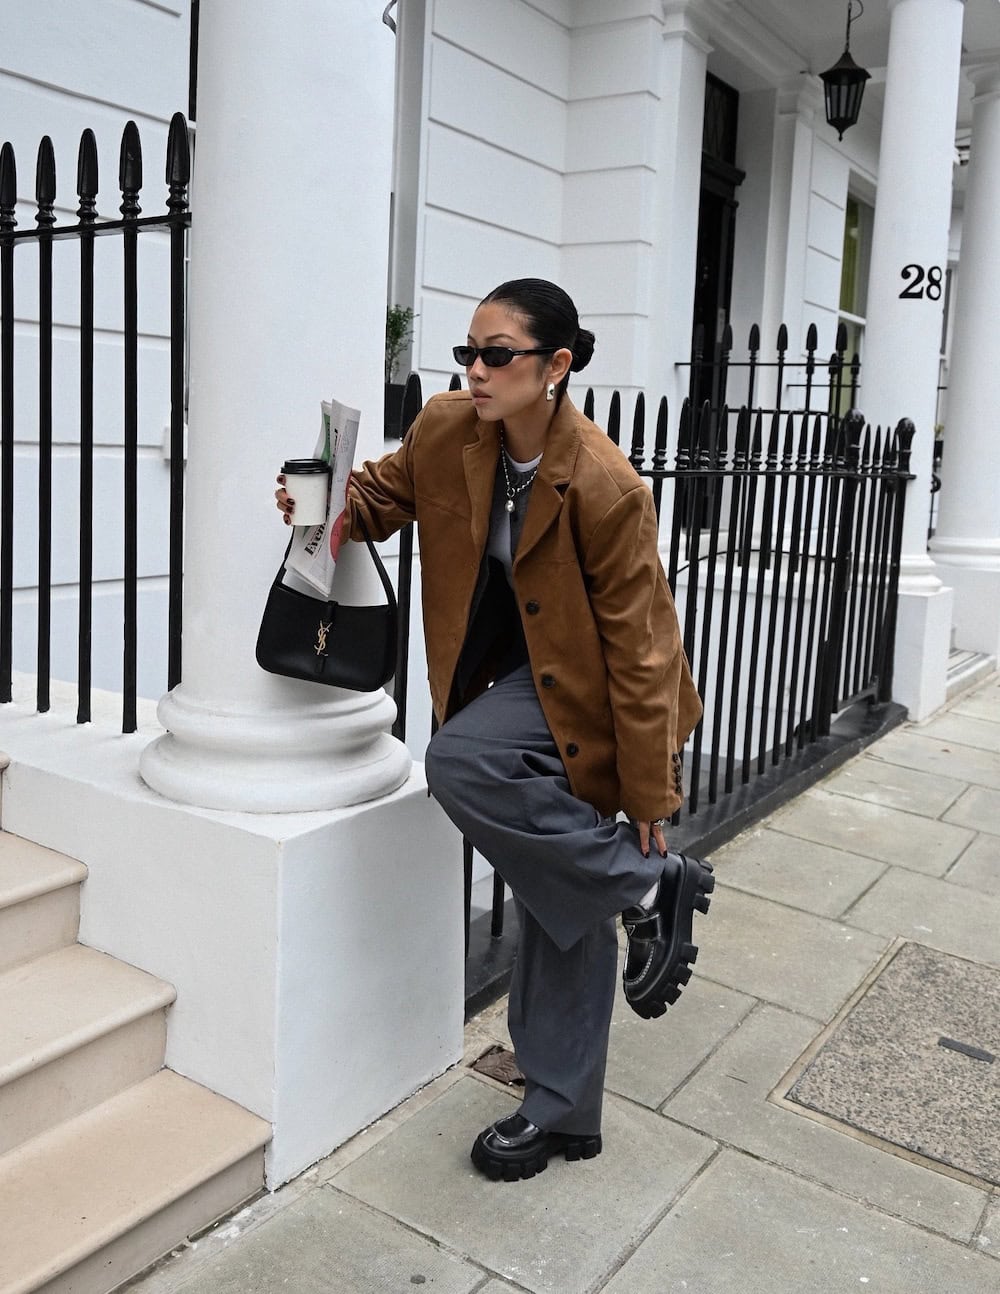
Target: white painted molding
{"type": "Point", "coordinates": [730, 26]}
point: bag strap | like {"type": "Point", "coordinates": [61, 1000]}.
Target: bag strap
{"type": "Point", "coordinates": [383, 574]}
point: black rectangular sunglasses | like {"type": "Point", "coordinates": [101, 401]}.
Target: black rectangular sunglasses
{"type": "Point", "coordinates": [495, 356]}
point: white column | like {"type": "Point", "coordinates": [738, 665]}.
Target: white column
{"type": "Point", "coordinates": [902, 333]}
{"type": "Point", "coordinates": [788, 240]}
{"type": "Point", "coordinates": [683, 63]}
{"type": "Point", "coordinates": [289, 247]}
{"type": "Point", "coordinates": [966, 547]}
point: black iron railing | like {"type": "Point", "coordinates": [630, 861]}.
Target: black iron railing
{"type": "Point", "coordinates": [784, 559]}
{"type": "Point", "coordinates": [783, 535]}
{"type": "Point", "coordinates": [88, 226]}
{"type": "Point", "coordinates": [800, 383]}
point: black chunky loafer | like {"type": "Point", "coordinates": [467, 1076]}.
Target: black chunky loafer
{"type": "Point", "coordinates": [512, 1148]}
{"type": "Point", "coordinates": [660, 951]}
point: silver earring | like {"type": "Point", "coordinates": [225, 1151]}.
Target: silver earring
{"type": "Point", "coordinates": [550, 391]}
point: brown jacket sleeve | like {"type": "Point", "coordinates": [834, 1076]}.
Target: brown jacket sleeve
{"type": "Point", "coordinates": [382, 492]}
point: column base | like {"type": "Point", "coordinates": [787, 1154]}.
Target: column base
{"type": "Point", "coordinates": [972, 568]}
{"type": "Point", "coordinates": [334, 753]}
{"type": "Point", "coordinates": [923, 641]}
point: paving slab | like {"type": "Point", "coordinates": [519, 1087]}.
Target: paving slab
{"type": "Point", "coordinates": [648, 1059]}
{"type": "Point", "coordinates": [913, 791]}
{"type": "Point", "coordinates": [931, 911]}
{"type": "Point", "coordinates": [809, 876]}
{"type": "Point", "coordinates": [728, 1100]}
{"type": "Point", "coordinates": [884, 1069]}
{"type": "Point", "coordinates": [988, 1240]}
{"type": "Point", "coordinates": [797, 960]}
{"type": "Point", "coordinates": [912, 748]}
{"type": "Point", "coordinates": [979, 866]}
{"type": "Point", "coordinates": [978, 808]}
{"type": "Point", "coordinates": [363, 1141]}
{"type": "Point", "coordinates": [750, 1228]}
{"type": "Point", "coordinates": [328, 1243]}
{"type": "Point", "coordinates": [492, 1021]}
{"type": "Point", "coordinates": [966, 730]}
{"type": "Point", "coordinates": [564, 1230]}
{"type": "Point", "coordinates": [873, 831]}
{"type": "Point", "coordinates": [981, 702]}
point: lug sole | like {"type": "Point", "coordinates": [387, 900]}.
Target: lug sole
{"type": "Point", "coordinates": [514, 1169]}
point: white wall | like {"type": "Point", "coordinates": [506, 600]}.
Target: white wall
{"type": "Point", "coordinates": [610, 196]}
{"type": "Point", "coordinates": [66, 68]}
{"type": "Point", "coordinates": [539, 158]}
{"type": "Point", "coordinates": [494, 146]}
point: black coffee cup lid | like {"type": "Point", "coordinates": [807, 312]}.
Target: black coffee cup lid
{"type": "Point", "coordinates": [305, 466]}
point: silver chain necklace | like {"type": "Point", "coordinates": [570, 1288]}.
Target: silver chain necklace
{"type": "Point", "coordinates": [512, 490]}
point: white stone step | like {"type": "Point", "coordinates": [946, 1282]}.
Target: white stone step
{"type": "Point", "coordinates": [90, 1203]}
{"type": "Point", "coordinates": [966, 669]}
{"type": "Point", "coordinates": [39, 899]}
{"type": "Point", "coordinates": [76, 1027]}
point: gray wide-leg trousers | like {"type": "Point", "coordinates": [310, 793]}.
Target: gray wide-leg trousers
{"type": "Point", "coordinates": [497, 773]}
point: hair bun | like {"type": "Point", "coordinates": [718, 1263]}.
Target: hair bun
{"type": "Point", "coordinates": [583, 349]}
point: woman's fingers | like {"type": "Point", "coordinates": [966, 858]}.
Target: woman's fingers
{"type": "Point", "coordinates": [283, 502]}
{"type": "Point", "coordinates": [657, 835]}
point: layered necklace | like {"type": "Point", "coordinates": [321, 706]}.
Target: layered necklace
{"type": "Point", "coordinates": [511, 489]}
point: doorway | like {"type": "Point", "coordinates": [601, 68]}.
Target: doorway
{"type": "Point", "coordinates": [720, 178]}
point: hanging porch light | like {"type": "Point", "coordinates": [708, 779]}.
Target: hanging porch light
{"type": "Point", "coordinates": [844, 83]}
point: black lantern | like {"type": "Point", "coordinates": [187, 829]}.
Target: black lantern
{"type": "Point", "coordinates": [844, 85]}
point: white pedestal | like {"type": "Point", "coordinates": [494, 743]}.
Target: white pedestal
{"type": "Point", "coordinates": [923, 641]}
{"type": "Point", "coordinates": [972, 569]}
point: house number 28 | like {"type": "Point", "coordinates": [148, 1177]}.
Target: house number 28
{"type": "Point", "coordinates": [921, 282]}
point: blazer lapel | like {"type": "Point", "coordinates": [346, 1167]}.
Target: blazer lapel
{"type": "Point", "coordinates": [554, 473]}
{"type": "Point", "coordinates": [480, 461]}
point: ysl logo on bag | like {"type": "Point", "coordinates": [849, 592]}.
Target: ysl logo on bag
{"type": "Point", "coordinates": [321, 633]}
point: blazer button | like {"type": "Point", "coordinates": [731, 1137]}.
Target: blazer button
{"type": "Point", "coordinates": [548, 680]}
{"type": "Point", "coordinates": [572, 749]}
{"type": "Point", "coordinates": [532, 607]}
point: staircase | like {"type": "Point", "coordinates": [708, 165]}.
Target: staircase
{"type": "Point", "coordinates": [107, 1160]}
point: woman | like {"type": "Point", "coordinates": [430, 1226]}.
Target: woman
{"type": "Point", "coordinates": [563, 696]}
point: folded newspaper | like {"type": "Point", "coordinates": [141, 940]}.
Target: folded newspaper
{"type": "Point", "coordinates": [312, 558]}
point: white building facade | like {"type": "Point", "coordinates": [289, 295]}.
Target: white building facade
{"type": "Point", "coordinates": [337, 168]}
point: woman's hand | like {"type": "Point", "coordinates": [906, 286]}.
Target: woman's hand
{"type": "Point", "coordinates": [657, 833]}
{"type": "Point", "coordinates": [284, 504]}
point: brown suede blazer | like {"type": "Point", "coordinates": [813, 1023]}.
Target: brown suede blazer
{"type": "Point", "coordinates": [599, 621]}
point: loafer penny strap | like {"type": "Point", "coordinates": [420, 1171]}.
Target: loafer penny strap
{"type": "Point", "coordinates": [643, 925]}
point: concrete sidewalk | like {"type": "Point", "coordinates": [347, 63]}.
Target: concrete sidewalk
{"type": "Point", "coordinates": [710, 1183]}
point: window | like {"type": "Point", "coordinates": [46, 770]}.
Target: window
{"type": "Point", "coordinates": [854, 271]}
{"type": "Point", "coordinates": [855, 260]}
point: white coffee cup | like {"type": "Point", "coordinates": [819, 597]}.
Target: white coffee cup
{"type": "Point", "coordinates": [307, 481]}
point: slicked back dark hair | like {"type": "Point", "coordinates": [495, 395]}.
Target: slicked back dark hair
{"type": "Point", "coordinates": [550, 317]}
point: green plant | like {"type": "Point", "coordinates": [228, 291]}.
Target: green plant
{"type": "Point", "coordinates": [398, 335]}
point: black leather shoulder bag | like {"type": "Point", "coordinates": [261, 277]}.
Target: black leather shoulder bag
{"type": "Point", "coordinates": [326, 642]}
